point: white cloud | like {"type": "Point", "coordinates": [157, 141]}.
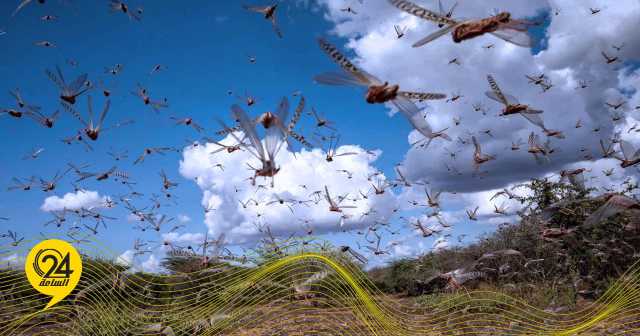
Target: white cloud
{"type": "Point", "coordinates": [74, 201]}
{"type": "Point", "coordinates": [301, 178]}
{"type": "Point", "coordinates": [151, 265]}
{"type": "Point", "coordinates": [402, 250]}
{"type": "Point", "coordinates": [182, 218]}
{"type": "Point", "coordinates": [13, 261]}
{"type": "Point", "coordinates": [126, 258]}
{"type": "Point", "coordinates": [440, 244]}
{"type": "Point", "coordinates": [573, 54]}
{"type": "Point", "coordinates": [157, 252]}
{"type": "Point", "coordinates": [183, 240]}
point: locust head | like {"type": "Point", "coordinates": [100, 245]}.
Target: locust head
{"type": "Point", "coordinates": [270, 11]}
{"type": "Point", "coordinates": [69, 99]}
{"type": "Point", "coordinates": [503, 17]}
{"type": "Point", "coordinates": [92, 134]}
{"type": "Point", "coordinates": [15, 113]}
{"type": "Point", "coordinates": [268, 119]}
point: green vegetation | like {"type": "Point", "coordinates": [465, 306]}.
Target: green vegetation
{"type": "Point", "coordinates": [549, 259]}
{"type": "Point", "coordinates": [560, 258]}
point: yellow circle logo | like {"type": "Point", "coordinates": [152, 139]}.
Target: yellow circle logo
{"type": "Point", "coordinates": [53, 268]}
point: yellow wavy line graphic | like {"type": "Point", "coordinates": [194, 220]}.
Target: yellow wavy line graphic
{"type": "Point", "coordinates": [308, 293]}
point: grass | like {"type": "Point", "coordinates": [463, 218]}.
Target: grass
{"type": "Point", "coordinates": [198, 298]}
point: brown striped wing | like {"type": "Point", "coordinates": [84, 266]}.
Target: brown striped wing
{"type": "Point", "coordinates": [296, 115]}
{"type": "Point", "coordinates": [344, 62]}
{"type": "Point", "coordinates": [301, 139]}
{"type": "Point", "coordinates": [613, 206]}
{"type": "Point", "coordinates": [421, 12]}
{"type": "Point", "coordinates": [422, 95]}
{"type": "Point", "coordinates": [228, 130]}
{"type": "Point", "coordinates": [496, 93]}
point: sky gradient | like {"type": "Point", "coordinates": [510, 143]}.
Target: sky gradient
{"type": "Point", "coordinates": [205, 48]}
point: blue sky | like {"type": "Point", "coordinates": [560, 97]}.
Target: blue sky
{"type": "Point", "coordinates": [205, 50]}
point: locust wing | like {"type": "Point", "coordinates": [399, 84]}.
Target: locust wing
{"type": "Point", "coordinates": [412, 113]}
{"type": "Point", "coordinates": [496, 93]}
{"type": "Point", "coordinates": [352, 76]}
{"type": "Point", "coordinates": [434, 36]}
{"type": "Point", "coordinates": [422, 96]}
{"type": "Point", "coordinates": [423, 13]}
{"type": "Point", "coordinates": [249, 130]}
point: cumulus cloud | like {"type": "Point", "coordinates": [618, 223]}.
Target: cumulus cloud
{"type": "Point", "coordinates": [86, 199]}
{"type": "Point", "coordinates": [126, 258]}
{"type": "Point", "coordinates": [182, 218]}
{"type": "Point", "coordinates": [402, 250]}
{"type": "Point", "coordinates": [183, 239]}
{"type": "Point", "coordinates": [138, 263]}
{"type": "Point", "coordinates": [241, 210]}
{"type": "Point", "coordinates": [14, 261]}
{"type": "Point", "coordinates": [573, 54]}
{"type": "Point", "coordinates": [440, 244]}
{"type": "Point", "coordinates": [573, 42]}
{"type": "Point", "coordinates": [151, 265]}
